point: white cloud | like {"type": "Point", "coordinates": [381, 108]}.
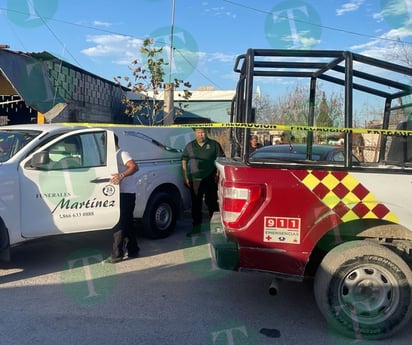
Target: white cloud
{"type": "Point", "coordinates": [121, 50]}
{"type": "Point", "coordinates": [220, 57]}
{"type": "Point", "coordinates": [218, 11]}
{"type": "Point", "coordinates": [395, 9]}
{"type": "Point", "coordinates": [384, 47]}
{"type": "Point", "coordinates": [385, 41]}
{"type": "Point", "coordinates": [124, 48]}
{"type": "Point", "coordinates": [350, 6]}
{"type": "Point", "coordinates": [100, 23]}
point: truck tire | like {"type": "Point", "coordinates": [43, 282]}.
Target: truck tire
{"type": "Point", "coordinates": [364, 290]}
{"type": "Point", "coordinates": [4, 243]}
{"type": "Point", "coordinates": [160, 216]}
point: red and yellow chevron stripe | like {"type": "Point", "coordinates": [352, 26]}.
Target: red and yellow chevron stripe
{"type": "Point", "coordinates": [345, 195]}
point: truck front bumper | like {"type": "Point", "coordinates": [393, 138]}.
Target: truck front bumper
{"type": "Point", "coordinates": [225, 253]}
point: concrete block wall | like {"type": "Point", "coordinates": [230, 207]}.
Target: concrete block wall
{"type": "Point", "coordinates": [90, 98]}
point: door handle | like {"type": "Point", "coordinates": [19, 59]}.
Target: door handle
{"type": "Point", "coordinates": [101, 180]}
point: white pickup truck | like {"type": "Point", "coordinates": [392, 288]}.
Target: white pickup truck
{"type": "Point", "coordinates": [54, 179]}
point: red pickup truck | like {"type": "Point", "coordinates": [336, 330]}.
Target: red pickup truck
{"type": "Point", "coordinates": [345, 223]}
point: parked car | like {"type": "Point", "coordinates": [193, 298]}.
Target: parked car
{"type": "Point", "coordinates": [291, 152]}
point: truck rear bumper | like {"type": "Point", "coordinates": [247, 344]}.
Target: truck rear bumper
{"type": "Point", "coordinates": [225, 254]}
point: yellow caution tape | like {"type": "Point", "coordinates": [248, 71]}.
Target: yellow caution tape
{"type": "Point", "coordinates": [267, 126]}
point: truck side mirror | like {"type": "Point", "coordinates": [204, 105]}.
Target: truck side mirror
{"type": "Point", "coordinates": [40, 159]}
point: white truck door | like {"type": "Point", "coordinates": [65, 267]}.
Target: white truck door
{"type": "Point", "coordinates": [69, 190]}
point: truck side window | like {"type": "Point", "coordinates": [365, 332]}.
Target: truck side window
{"type": "Point", "coordinates": [78, 151]}
{"type": "Point", "coordinates": [94, 149]}
{"type": "Point", "coordinates": [66, 154]}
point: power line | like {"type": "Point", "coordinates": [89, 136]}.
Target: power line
{"type": "Point", "coordinates": [59, 40]}
{"type": "Point", "coordinates": [108, 32]}
{"type": "Point", "coordinates": [44, 21]}
{"type": "Point", "coordinates": [66, 22]}
{"type": "Point", "coordinates": [195, 68]}
{"type": "Point", "coordinates": [321, 26]}
{"type": "Point", "coordinates": [234, 3]}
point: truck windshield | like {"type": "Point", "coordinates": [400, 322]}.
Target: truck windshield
{"type": "Point", "coordinates": [12, 141]}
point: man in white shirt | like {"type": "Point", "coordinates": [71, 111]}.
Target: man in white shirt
{"type": "Point", "coordinates": [124, 231]}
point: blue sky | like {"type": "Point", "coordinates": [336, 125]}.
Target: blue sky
{"type": "Point", "coordinates": [103, 36]}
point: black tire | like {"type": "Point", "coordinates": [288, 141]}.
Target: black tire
{"type": "Point", "coordinates": [4, 243]}
{"type": "Point", "coordinates": [364, 290]}
{"type": "Point", "coordinates": [159, 220]}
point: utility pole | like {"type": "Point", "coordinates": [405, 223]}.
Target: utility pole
{"type": "Point", "coordinates": [169, 111]}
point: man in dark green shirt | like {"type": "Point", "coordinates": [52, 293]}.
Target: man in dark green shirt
{"type": "Point", "coordinates": [199, 172]}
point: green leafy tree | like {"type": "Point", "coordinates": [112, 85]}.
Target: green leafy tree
{"type": "Point", "coordinates": [147, 82]}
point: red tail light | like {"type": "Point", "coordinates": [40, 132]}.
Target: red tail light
{"type": "Point", "coordinates": [239, 202]}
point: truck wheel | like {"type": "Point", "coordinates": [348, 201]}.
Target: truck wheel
{"type": "Point", "coordinates": [364, 290]}
{"type": "Point", "coordinates": [160, 217]}
{"type": "Point", "coordinates": [4, 243]}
